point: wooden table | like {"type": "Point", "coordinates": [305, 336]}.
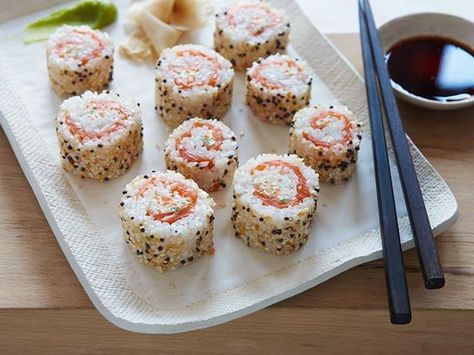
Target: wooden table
{"type": "Point", "coordinates": [44, 309]}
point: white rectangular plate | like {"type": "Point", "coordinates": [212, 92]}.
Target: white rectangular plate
{"type": "Point", "coordinates": [236, 280]}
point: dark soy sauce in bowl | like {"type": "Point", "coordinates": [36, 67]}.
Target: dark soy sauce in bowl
{"type": "Point", "coordinates": [434, 68]}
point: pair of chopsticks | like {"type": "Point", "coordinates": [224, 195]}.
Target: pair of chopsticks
{"type": "Point", "coordinates": [381, 102]}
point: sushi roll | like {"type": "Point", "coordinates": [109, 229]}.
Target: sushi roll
{"type": "Point", "coordinates": [99, 135]}
{"type": "Point", "coordinates": [277, 87]}
{"type": "Point", "coordinates": [275, 198]}
{"type": "Point", "coordinates": [203, 150]}
{"type": "Point", "coordinates": [249, 30]}
{"type": "Point", "coordinates": [328, 139]}
{"type": "Point", "coordinates": [167, 220]}
{"type": "Point", "coordinates": [192, 80]}
{"type": "Point", "coordinates": [79, 59]}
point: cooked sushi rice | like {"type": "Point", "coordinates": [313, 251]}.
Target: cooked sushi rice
{"type": "Point", "coordinates": [79, 59]}
{"type": "Point", "coordinates": [192, 80]}
{"type": "Point", "coordinates": [203, 150]}
{"type": "Point", "coordinates": [249, 30]}
{"type": "Point", "coordinates": [328, 139]}
{"type": "Point", "coordinates": [277, 87]}
{"type": "Point", "coordinates": [275, 198]}
{"type": "Point", "coordinates": [100, 135]}
{"type": "Point", "coordinates": [167, 220]}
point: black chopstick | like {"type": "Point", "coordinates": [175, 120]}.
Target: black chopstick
{"type": "Point", "coordinates": [420, 224]}
{"type": "Point", "coordinates": [397, 292]}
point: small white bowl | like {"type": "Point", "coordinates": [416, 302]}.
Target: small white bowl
{"type": "Point", "coordinates": [430, 24]}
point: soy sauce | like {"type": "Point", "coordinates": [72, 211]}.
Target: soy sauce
{"type": "Point", "coordinates": [435, 68]}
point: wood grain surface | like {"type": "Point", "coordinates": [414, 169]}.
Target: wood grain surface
{"type": "Point", "coordinates": [43, 308]}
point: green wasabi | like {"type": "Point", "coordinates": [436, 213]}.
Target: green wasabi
{"type": "Point", "coordinates": [94, 13]}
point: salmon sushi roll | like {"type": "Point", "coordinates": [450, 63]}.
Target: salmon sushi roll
{"type": "Point", "coordinates": [249, 30]}
{"type": "Point", "coordinates": [79, 59]}
{"type": "Point", "coordinates": [203, 150]}
{"type": "Point", "coordinates": [275, 198]}
{"type": "Point", "coordinates": [167, 220]}
{"type": "Point", "coordinates": [328, 139]}
{"type": "Point", "coordinates": [99, 135]}
{"type": "Point", "coordinates": [192, 81]}
{"type": "Point", "coordinates": [277, 87]}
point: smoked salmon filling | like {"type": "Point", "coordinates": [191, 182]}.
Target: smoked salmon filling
{"type": "Point", "coordinates": [79, 59]}
{"type": "Point", "coordinates": [272, 184]}
{"type": "Point", "coordinates": [170, 200]}
{"type": "Point", "coordinates": [192, 80]}
{"type": "Point", "coordinates": [100, 135]}
{"type": "Point", "coordinates": [328, 139]}
{"type": "Point", "coordinates": [80, 46]}
{"type": "Point", "coordinates": [277, 87]}
{"type": "Point", "coordinates": [250, 30]}
{"type": "Point", "coordinates": [194, 68]}
{"type": "Point", "coordinates": [167, 220]}
{"type": "Point", "coordinates": [279, 73]}
{"type": "Point", "coordinates": [203, 150]}
{"type": "Point", "coordinates": [275, 198]}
